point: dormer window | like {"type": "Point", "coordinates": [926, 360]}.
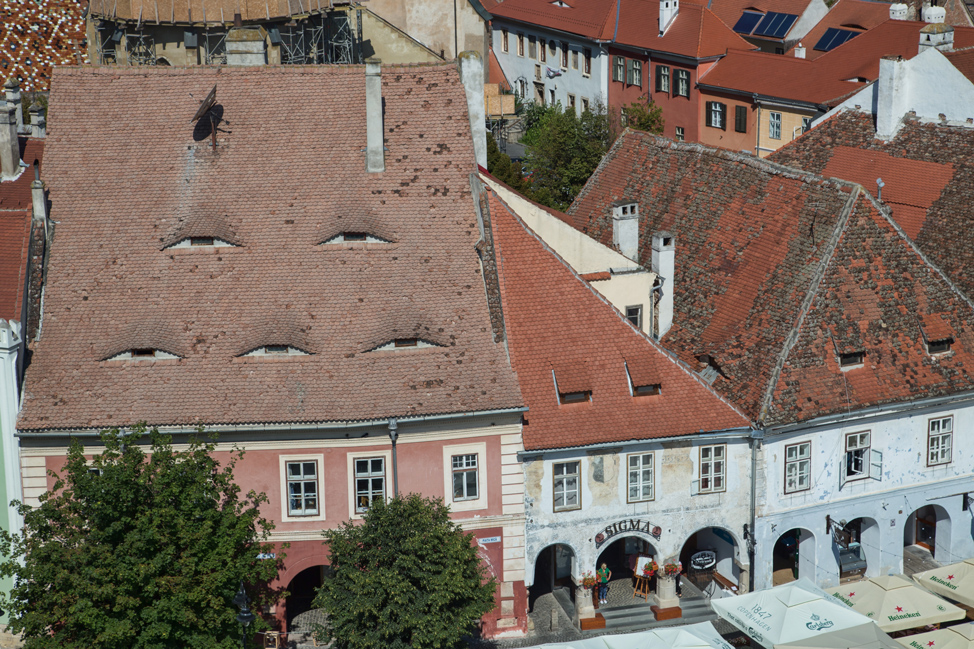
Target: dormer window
{"type": "Point", "coordinates": [646, 390]}
{"type": "Point", "coordinates": [355, 237]}
{"type": "Point", "coordinates": [939, 346]}
{"type": "Point", "coordinates": [276, 350]}
{"type": "Point", "coordinates": [202, 242]}
{"type": "Point", "coordinates": [404, 343]}
{"type": "Point", "coordinates": [141, 354]}
{"type": "Point", "coordinates": [850, 360]}
{"type": "Point", "coordinates": [574, 397]}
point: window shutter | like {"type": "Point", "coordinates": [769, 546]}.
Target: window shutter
{"type": "Point", "coordinates": [695, 487]}
{"type": "Point", "coordinates": [710, 113]}
{"type": "Point", "coordinates": [723, 116]}
{"type": "Point", "coordinates": [875, 464]}
{"type": "Point", "coordinates": [659, 78]}
{"type": "Point", "coordinates": [629, 72]}
{"type": "Point", "coordinates": [740, 119]}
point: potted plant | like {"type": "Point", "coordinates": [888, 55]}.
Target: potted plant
{"type": "Point", "coordinates": [590, 583]}
{"type": "Point", "coordinates": [671, 569]}
{"type": "Point", "coordinates": [649, 569]}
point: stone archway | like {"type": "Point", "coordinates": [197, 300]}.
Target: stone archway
{"type": "Point", "coordinates": [712, 554]}
{"type": "Point", "coordinates": [553, 573]}
{"type": "Point", "coordinates": [794, 556]}
{"type": "Point", "coordinates": [302, 590]}
{"type": "Point", "coordinates": [929, 528]}
{"type": "Point", "coordinates": [858, 549]}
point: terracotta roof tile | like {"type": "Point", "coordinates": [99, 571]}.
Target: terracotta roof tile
{"type": "Point", "coordinates": [588, 346]}
{"type": "Point", "coordinates": [198, 11]}
{"type": "Point", "coordinates": [38, 35]}
{"type": "Point", "coordinates": [588, 18]}
{"type": "Point", "coordinates": [729, 11]}
{"type": "Point", "coordinates": [851, 15]}
{"type": "Point", "coordinates": [15, 223]}
{"type": "Point", "coordinates": [963, 60]}
{"type": "Point", "coordinates": [119, 181]}
{"type": "Point", "coordinates": [696, 31]}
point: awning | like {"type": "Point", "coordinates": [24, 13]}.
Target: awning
{"type": "Point", "coordinates": [895, 603]}
{"type": "Point", "coordinates": [955, 581]}
{"type": "Point", "coordinates": [864, 636]}
{"type": "Point", "coordinates": [954, 637]}
{"type": "Point", "coordinates": [789, 613]}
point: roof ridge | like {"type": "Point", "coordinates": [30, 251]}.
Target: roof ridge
{"type": "Point", "coordinates": [672, 357]}
{"type": "Point", "coordinates": [806, 306]}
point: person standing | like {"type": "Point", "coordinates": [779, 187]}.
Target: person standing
{"type": "Point", "coordinates": [679, 586]}
{"type": "Point", "coordinates": [604, 575]}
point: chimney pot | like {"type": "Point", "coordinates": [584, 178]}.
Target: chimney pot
{"type": "Point", "coordinates": [375, 157]}
{"type": "Point", "coordinates": [933, 15]}
{"type": "Point", "coordinates": [11, 90]}
{"type": "Point", "coordinates": [799, 51]}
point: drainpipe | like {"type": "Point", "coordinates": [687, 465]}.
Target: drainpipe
{"type": "Point", "coordinates": [394, 435]}
{"type": "Point", "coordinates": [757, 436]}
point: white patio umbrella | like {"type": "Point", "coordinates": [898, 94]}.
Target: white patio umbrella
{"type": "Point", "coordinates": [953, 637]}
{"type": "Point", "coordinates": [895, 603]}
{"type": "Point", "coordinates": [864, 636]}
{"type": "Point", "coordinates": [955, 581]}
{"type": "Point", "coordinates": [692, 636]}
{"type": "Point", "coordinates": [787, 613]}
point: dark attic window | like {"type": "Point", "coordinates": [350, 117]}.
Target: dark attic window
{"type": "Point", "coordinates": [939, 346]}
{"type": "Point", "coordinates": [275, 349]}
{"type": "Point", "coordinates": [406, 342]}
{"type": "Point", "coordinates": [201, 241]}
{"type": "Point", "coordinates": [355, 236]}
{"type": "Point", "coordinates": [646, 390]}
{"type": "Point", "coordinates": [851, 359]}
{"type": "Point", "coordinates": [574, 397]}
{"type": "Point", "coordinates": [143, 352]}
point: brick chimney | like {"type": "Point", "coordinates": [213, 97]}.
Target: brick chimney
{"type": "Point", "coordinates": [664, 265]}
{"type": "Point", "coordinates": [625, 228]}
{"type": "Point", "coordinates": [668, 10]}
{"type": "Point", "coordinates": [9, 144]}
{"type": "Point", "coordinates": [375, 156]}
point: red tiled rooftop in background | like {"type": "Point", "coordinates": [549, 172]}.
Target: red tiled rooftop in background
{"type": "Point", "coordinates": [696, 31]}
{"type": "Point", "coordinates": [588, 347]}
{"type": "Point", "coordinates": [588, 18]}
{"type": "Point", "coordinates": [844, 14]}
{"type": "Point", "coordinates": [963, 60]}
{"type": "Point", "coordinates": [15, 221]}
{"type": "Point", "coordinates": [751, 240]}
{"type": "Point", "coordinates": [729, 11]}
{"type": "Point", "coordinates": [289, 172]}
{"type": "Point", "coordinates": [38, 35]}
{"type": "Point", "coordinates": [197, 11]}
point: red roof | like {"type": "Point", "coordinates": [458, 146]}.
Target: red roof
{"type": "Point", "coordinates": [589, 18]}
{"type": "Point", "coordinates": [588, 348]}
{"type": "Point", "coordinates": [39, 35]}
{"type": "Point", "coordinates": [122, 184]}
{"type": "Point", "coordinates": [695, 32]}
{"type": "Point", "coordinates": [850, 15]}
{"type": "Point", "coordinates": [495, 74]}
{"type": "Point", "coordinates": [730, 11]}
{"type": "Point", "coordinates": [15, 220]}
{"type": "Point", "coordinates": [963, 60]}
{"type": "Point", "coordinates": [769, 270]}
{"type": "Point", "coordinates": [774, 75]}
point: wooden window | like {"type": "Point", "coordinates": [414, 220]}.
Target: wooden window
{"type": "Point", "coordinates": [465, 480]}
{"type": "Point", "coordinates": [774, 125]}
{"type": "Point", "coordinates": [857, 447]}
{"type": "Point", "coordinates": [940, 433]}
{"type": "Point", "coordinates": [682, 83]}
{"type": "Point", "coordinates": [634, 72]}
{"type": "Point", "coordinates": [798, 467]}
{"type": "Point", "coordinates": [634, 314]}
{"type": "Point", "coordinates": [302, 488]}
{"type": "Point", "coordinates": [370, 482]}
{"type": "Point", "coordinates": [520, 44]}
{"type": "Point", "coordinates": [567, 494]}
{"type": "Point", "coordinates": [641, 477]}
{"type": "Point", "coordinates": [679, 134]}
{"type": "Point", "coordinates": [619, 69]}
{"type": "Point", "coordinates": [713, 468]}
{"type": "Point", "coordinates": [740, 119]}
{"type": "Point", "coordinates": [716, 115]}
{"type": "Point", "coordinates": [532, 47]}
{"type": "Point", "coordinates": [564, 55]}
{"type": "Point", "coordinates": [587, 69]}
{"type": "Point", "coordinates": [663, 78]}
{"type": "Point", "coordinates": [504, 41]}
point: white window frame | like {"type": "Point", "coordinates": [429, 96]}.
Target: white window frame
{"type": "Point", "coordinates": [556, 478]}
{"type": "Point", "coordinates": [806, 124]}
{"type": "Point", "coordinates": [716, 115]}
{"type": "Point", "coordinates": [682, 83]}
{"type": "Point", "coordinates": [680, 137]}
{"type": "Point", "coordinates": [468, 504]}
{"type": "Point", "coordinates": [774, 125]}
{"type": "Point", "coordinates": [361, 455]}
{"type": "Point", "coordinates": [798, 467]}
{"type": "Point", "coordinates": [286, 516]}
{"type": "Point", "coordinates": [870, 460]}
{"type": "Point", "coordinates": [505, 42]}
{"type": "Point", "coordinates": [644, 462]}
{"type": "Point", "coordinates": [712, 474]}
{"type": "Point", "coordinates": [940, 440]}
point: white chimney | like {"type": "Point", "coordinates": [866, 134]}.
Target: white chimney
{"type": "Point", "coordinates": [664, 265]}
{"type": "Point", "coordinates": [799, 51]}
{"type": "Point", "coordinates": [933, 15]}
{"type": "Point", "coordinates": [9, 143]}
{"type": "Point", "coordinates": [472, 76]}
{"type": "Point", "coordinates": [891, 96]}
{"type": "Point", "coordinates": [625, 228]}
{"type": "Point", "coordinates": [899, 11]}
{"type": "Point", "coordinates": [936, 35]}
{"type": "Point", "coordinates": [11, 89]}
{"type": "Point", "coordinates": [38, 123]}
{"type": "Point", "coordinates": [375, 157]}
{"type": "Point", "coordinates": [38, 199]}
{"type": "Point", "coordinates": [668, 10]}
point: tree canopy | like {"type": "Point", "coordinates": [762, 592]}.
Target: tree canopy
{"type": "Point", "coordinates": [138, 548]}
{"type": "Point", "coordinates": [406, 577]}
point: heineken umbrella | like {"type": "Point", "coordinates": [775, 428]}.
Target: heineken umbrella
{"type": "Point", "coordinates": [789, 613]}
{"type": "Point", "coordinates": [953, 637]}
{"type": "Point", "coordinates": [955, 581]}
{"type": "Point", "coordinates": [895, 603]}
{"type": "Point", "coordinates": [692, 636]}
{"type": "Point", "coordinates": [864, 636]}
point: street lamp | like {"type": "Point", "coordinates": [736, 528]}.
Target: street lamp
{"type": "Point", "coordinates": [244, 617]}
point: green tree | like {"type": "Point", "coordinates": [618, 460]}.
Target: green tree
{"type": "Point", "coordinates": [138, 549]}
{"type": "Point", "coordinates": [406, 577]}
{"type": "Point", "coordinates": [503, 169]}
{"type": "Point", "coordinates": [563, 150]}
{"type": "Point", "coordinates": [644, 117]}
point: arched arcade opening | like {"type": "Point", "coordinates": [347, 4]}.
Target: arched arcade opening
{"type": "Point", "coordinates": [857, 548]}
{"type": "Point", "coordinates": [302, 590]}
{"type": "Point", "coordinates": [929, 528]}
{"type": "Point", "coordinates": [712, 555]}
{"type": "Point", "coordinates": [793, 556]}
{"type": "Point", "coordinates": [553, 574]}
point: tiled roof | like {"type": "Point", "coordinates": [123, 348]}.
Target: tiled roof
{"type": "Point", "coordinates": [588, 18]}
{"type": "Point", "coordinates": [495, 74]}
{"type": "Point", "coordinates": [922, 159]}
{"type": "Point", "coordinates": [851, 15]}
{"type": "Point", "coordinates": [771, 263]}
{"type": "Point", "coordinates": [730, 11]}
{"type": "Point", "coordinates": [198, 11]}
{"type": "Point", "coordinates": [774, 75]}
{"type": "Point", "coordinates": [588, 348]}
{"type": "Point", "coordinates": [696, 31]}
{"type": "Point", "coordinates": [963, 60]}
{"type": "Point", "coordinates": [15, 220]}
{"type": "Point", "coordinates": [38, 35]}
{"type": "Point", "coordinates": [289, 162]}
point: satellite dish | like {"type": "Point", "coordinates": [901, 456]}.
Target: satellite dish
{"type": "Point", "coordinates": [206, 105]}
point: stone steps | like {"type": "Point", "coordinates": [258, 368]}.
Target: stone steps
{"type": "Point", "coordinates": [636, 617]}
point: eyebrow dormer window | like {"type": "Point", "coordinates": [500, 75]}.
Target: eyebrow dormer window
{"type": "Point", "coordinates": [142, 354]}
{"type": "Point", "coordinates": [355, 237]}
{"type": "Point", "coordinates": [939, 346]}
{"type": "Point", "coordinates": [851, 359]}
{"type": "Point", "coordinates": [574, 397]}
{"type": "Point", "coordinates": [202, 242]}
{"type": "Point", "coordinates": [277, 350]}
{"type": "Point", "coordinates": [406, 342]}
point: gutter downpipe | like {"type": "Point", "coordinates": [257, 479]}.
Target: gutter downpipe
{"type": "Point", "coordinates": [757, 436]}
{"type": "Point", "coordinates": [394, 435]}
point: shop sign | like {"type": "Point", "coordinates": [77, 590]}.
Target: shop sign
{"type": "Point", "coordinates": [630, 525]}
{"type": "Point", "coordinates": [703, 560]}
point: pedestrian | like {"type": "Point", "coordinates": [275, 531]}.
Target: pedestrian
{"type": "Point", "coordinates": [679, 587]}
{"type": "Point", "coordinates": [604, 575]}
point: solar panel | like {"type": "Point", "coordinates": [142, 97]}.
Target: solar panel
{"type": "Point", "coordinates": [832, 38]}
{"type": "Point", "coordinates": [775, 25]}
{"type": "Point", "coordinates": [747, 22]}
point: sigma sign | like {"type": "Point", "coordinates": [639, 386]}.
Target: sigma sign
{"type": "Point", "coordinates": [631, 525]}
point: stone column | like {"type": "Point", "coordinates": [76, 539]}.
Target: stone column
{"type": "Point", "coordinates": [584, 606]}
